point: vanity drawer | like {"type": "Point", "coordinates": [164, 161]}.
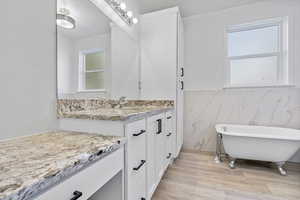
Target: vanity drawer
{"type": "Point", "coordinates": [137, 183]}
{"type": "Point", "coordinates": [136, 146]}
{"type": "Point", "coordinates": [88, 180]}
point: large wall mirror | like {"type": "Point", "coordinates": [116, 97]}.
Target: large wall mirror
{"type": "Point", "coordinates": [95, 57]}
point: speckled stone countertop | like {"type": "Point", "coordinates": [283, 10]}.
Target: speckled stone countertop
{"type": "Point", "coordinates": [95, 109]}
{"type": "Point", "coordinates": [31, 164]}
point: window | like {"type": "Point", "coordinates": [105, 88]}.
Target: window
{"type": "Point", "coordinates": [257, 54]}
{"type": "Point", "coordinates": [92, 70]}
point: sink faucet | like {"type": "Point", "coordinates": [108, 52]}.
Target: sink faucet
{"type": "Point", "coordinates": [120, 102]}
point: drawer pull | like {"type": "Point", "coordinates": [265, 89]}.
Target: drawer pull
{"type": "Point", "coordinates": [140, 133]}
{"type": "Point", "coordinates": [77, 195]}
{"type": "Point", "coordinates": [169, 134]}
{"type": "Point", "coordinates": [170, 117]}
{"type": "Point", "coordinates": [159, 126]}
{"type": "Point", "coordinates": [169, 156]}
{"type": "Point", "coordinates": [142, 163]}
{"type": "Point", "coordinates": [143, 198]}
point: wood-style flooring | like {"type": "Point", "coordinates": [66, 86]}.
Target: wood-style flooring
{"type": "Point", "coordinates": [195, 176]}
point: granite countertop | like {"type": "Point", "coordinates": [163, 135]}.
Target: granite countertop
{"type": "Point", "coordinates": [97, 109]}
{"type": "Point", "coordinates": [116, 114]}
{"type": "Point", "coordinates": [31, 164]}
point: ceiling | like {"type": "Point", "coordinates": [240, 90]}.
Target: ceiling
{"type": "Point", "coordinates": [90, 21]}
{"type": "Point", "coordinates": [192, 7]}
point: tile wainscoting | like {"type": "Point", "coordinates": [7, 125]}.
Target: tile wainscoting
{"type": "Point", "coordinates": [255, 106]}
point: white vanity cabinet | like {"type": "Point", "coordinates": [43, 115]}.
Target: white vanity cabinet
{"type": "Point", "coordinates": [148, 152]}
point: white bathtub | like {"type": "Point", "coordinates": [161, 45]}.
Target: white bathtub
{"type": "Point", "coordinates": [261, 143]}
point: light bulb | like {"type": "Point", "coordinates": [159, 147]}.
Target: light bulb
{"type": "Point", "coordinates": [135, 20]}
{"type": "Point", "coordinates": [129, 14]}
{"type": "Point", "coordinates": [123, 6]}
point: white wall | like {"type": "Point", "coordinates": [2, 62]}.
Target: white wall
{"type": "Point", "coordinates": [206, 103]}
{"type": "Point", "coordinates": [205, 45]}
{"type": "Point", "coordinates": [28, 69]}
{"type": "Point", "coordinates": [124, 64]}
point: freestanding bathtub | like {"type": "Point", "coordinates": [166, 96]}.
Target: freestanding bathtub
{"type": "Point", "coordinates": [260, 143]}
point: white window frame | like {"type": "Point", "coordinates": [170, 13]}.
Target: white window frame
{"type": "Point", "coordinates": [83, 71]}
{"type": "Point", "coordinates": [282, 53]}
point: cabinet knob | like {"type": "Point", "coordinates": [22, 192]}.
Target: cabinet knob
{"type": "Point", "coordinates": [170, 117]}
{"type": "Point", "coordinates": [169, 134]}
{"type": "Point", "coordinates": [143, 198]}
{"type": "Point", "coordinates": [77, 195]}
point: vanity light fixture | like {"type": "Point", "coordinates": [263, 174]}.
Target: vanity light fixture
{"type": "Point", "coordinates": [129, 14]}
{"type": "Point", "coordinates": [64, 20]}
{"type": "Point", "coordinates": [120, 9]}
{"type": "Point", "coordinates": [135, 20]}
{"type": "Point", "coordinates": [123, 6]}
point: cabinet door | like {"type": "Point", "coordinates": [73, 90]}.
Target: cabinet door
{"type": "Point", "coordinates": [158, 55]}
{"type": "Point", "coordinates": [155, 152]}
{"type": "Point", "coordinates": [160, 148]}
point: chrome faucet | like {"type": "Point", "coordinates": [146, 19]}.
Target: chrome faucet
{"type": "Point", "coordinates": [120, 102]}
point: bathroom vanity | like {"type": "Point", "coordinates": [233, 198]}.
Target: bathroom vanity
{"type": "Point", "coordinates": [148, 127]}
{"type": "Point", "coordinates": [60, 165]}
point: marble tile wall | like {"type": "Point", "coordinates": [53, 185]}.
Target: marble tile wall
{"type": "Point", "coordinates": [260, 106]}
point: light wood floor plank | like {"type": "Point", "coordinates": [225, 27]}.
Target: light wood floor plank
{"type": "Point", "coordinates": [195, 176]}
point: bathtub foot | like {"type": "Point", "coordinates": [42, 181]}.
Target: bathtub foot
{"type": "Point", "coordinates": [232, 163]}
{"type": "Point", "coordinates": [218, 159]}
{"type": "Point", "coordinates": [280, 168]}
